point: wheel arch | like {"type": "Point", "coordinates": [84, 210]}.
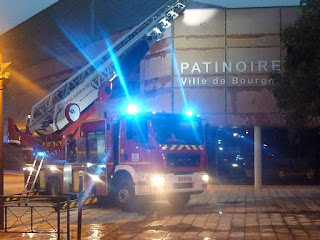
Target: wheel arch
{"type": "Point", "coordinates": [125, 172]}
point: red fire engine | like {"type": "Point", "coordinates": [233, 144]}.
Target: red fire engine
{"type": "Point", "coordinates": [138, 154]}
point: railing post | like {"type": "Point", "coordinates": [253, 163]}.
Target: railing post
{"type": "Point", "coordinates": [5, 219]}
{"type": "Point", "coordinates": [68, 218]}
{"type": "Point", "coordinates": [58, 220]}
{"type": "Point", "coordinates": [80, 204]}
{"type": "Point", "coordinates": [31, 215]}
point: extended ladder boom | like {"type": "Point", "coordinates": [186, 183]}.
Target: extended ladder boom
{"type": "Point", "coordinates": [66, 103]}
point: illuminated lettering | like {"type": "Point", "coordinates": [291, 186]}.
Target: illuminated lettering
{"type": "Point", "coordinates": [196, 68]}
{"type": "Point", "coordinates": [262, 64]}
{"type": "Point", "coordinates": [244, 66]}
{"type": "Point", "coordinates": [184, 66]}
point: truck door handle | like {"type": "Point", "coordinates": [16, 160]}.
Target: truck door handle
{"type": "Point", "coordinates": [126, 157]}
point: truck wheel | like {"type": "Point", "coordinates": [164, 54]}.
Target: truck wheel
{"type": "Point", "coordinates": [179, 200]}
{"type": "Point", "coordinates": [125, 196]}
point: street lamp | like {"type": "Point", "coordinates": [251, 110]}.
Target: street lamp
{"type": "Point", "coordinates": [3, 77]}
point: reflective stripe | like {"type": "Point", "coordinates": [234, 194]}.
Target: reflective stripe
{"type": "Point", "coordinates": [173, 147]}
{"type": "Point", "coordinates": [180, 147]}
{"type": "Point", "coordinates": [74, 203]}
{"type": "Point", "coordinates": [165, 147]}
{"type": "Point", "coordinates": [8, 199]}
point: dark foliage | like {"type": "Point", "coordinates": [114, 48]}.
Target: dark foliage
{"type": "Point", "coordinates": [298, 85]}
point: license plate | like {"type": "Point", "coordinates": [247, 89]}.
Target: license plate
{"type": "Point", "coordinates": [185, 179]}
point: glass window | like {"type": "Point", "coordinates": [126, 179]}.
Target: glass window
{"type": "Point", "coordinates": [137, 130]}
{"type": "Point", "coordinates": [96, 146]}
{"type": "Point", "coordinates": [177, 131]}
{"type": "Point", "coordinates": [71, 147]}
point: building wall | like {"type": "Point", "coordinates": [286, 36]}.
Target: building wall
{"type": "Point", "coordinates": [220, 65]}
{"type": "Point", "coordinates": [180, 69]}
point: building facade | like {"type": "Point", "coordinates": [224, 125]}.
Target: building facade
{"type": "Point", "coordinates": [218, 62]}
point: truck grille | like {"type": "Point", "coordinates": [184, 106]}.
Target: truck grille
{"type": "Point", "coordinates": [182, 185]}
{"type": "Point", "coordinates": [183, 160]}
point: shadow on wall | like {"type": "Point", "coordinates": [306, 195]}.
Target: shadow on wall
{"type": "Point", "coordinates": [12, 157]}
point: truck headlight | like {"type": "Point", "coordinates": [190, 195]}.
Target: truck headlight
{"type": "Point", "coordinates": [205, 177]}
{"type": "Point", "coordinates": [158, 181]}
{"type": "Point", "coordinates": [30, 169]}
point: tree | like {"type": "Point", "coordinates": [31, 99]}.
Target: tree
{"type": "Point", "coordinates": [297, 87]}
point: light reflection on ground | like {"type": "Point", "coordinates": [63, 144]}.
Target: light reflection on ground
{"type": "Point", "coordinates": [223, 212]}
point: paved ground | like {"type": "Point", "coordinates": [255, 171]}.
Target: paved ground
{"type": "Point", "coordinates": [223, 212]}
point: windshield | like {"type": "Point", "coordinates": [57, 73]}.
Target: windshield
{"type": "Point", "coordinates": [177, 131]}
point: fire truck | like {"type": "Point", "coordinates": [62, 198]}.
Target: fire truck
{"type": "Point", "coordinates": [137, 155]}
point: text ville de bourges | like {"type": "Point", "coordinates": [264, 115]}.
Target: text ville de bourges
{"type": "Point", "coordinates": [245, 68]}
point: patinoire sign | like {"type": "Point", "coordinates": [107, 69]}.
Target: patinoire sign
{"type": "Point", "coordinates": [239, 73]}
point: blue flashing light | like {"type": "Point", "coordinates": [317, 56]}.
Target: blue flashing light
{"type": "Point", "coordinates": [41, 154]}
{"type": "Point", "coordinates": [132, 109]}
{"type": "Point", "coordinates": [189, 113]}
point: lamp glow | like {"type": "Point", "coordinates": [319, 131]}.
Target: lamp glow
{"type": "Point", "coordinates": [189, 113]}
{"type": "Point", "coordinates": [157, 181]}
{"type": "Point", "coordinates": [95, 178]}
{"type": "Point", "coordinates": [53, 168]}
{"type": "Point", "coordinates": [205, 177]}
{"type": "Point", "coordinates": [132, 109]}
{"type": "Point", "coordinates": [41, 154]}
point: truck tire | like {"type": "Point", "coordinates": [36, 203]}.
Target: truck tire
{"type": "Point", "coordinates": [179, 200]}
{"type": "Point", "coordinates": [124, 195]}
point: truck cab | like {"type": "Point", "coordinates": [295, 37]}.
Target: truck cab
{"type": "Point", "coordinates": [150, 155]}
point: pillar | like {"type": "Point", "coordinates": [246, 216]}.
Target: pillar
{"type": "Point", "coordinates": [257, 158]}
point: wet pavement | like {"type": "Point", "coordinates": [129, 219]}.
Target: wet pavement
{"type": "Point", "coordinates": [223, 212]}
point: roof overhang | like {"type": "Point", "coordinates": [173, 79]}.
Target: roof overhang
{"type": "Point", "coordinates": [14, 12]}
{"type": "Point", "coordinates": [250, 3]}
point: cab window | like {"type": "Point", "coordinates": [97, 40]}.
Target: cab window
{"type": "Point", "coordinates": [137, 130]}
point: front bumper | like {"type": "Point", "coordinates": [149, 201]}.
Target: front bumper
{"type": "Point", "coordinates": [174, 183]}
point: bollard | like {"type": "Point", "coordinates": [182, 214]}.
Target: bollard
{"type": "Point", "coordinates": [80, 204]}
{"type": "Point", "coordinates": [68, 218]}
{"type": "Point", "coordinates": [59, 216]}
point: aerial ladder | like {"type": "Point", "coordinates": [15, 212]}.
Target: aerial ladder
{"type": "Point", "coordinates": [65, 104]}
{"type": "Point", "coordinates": [58, 114]}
